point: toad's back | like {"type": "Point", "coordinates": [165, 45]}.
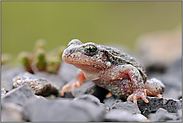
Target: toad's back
{"type": "Point", "coordinates": [117, 57]}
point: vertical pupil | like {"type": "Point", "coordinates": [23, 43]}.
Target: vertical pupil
{"type": "Point", "coordinates": [90, 49]}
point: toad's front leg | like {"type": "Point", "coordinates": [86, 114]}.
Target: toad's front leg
{"type": "Point", "coordinates": [76, 82]}
{"type": "Point", "coordinates": [138, 86]}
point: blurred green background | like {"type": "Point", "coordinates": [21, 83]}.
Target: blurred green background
{"type": "Point", "coordinates": [101, 22]}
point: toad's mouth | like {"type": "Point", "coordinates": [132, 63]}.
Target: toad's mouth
{"type": "Point", "coordinates": [82, 61]}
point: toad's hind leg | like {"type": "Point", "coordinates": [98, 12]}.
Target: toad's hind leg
{"type": "Point", "coordinates": [138, 86]}
{"type": "Point", "coordinates": [76, 82]}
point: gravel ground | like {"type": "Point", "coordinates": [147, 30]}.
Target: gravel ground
{"type": "Point", "coordinates": [36, 97]}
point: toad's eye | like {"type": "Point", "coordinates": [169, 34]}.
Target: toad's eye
{"type": "Point", "coordinates": [90, 49]}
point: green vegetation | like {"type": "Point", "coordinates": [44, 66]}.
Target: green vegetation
{"type": "Point", "coordinates": [40, 60]}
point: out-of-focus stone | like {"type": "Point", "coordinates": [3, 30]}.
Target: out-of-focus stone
{"type": "Point", "coordinates": [3, 91]}
{"type": "Point", "coordinates": [179, 114]}
{"type": "Point", "coordinates": [59, 111]}
{"type": "Point", "coordinates": [11, 112]}
{"type": "Point", "coordinates": [162, 115]}
{"type": "Point", "coordinates": [67, 72]}
{"type": "Point", "coordinates": [97, 91]}
{"type": "Point", "coordinates": [89, 98]}
{"type": "Point", "coordinates": [173, 80]}
{"type": "Point", "coordinates": [117, 115]}
{"type": "Point", "coordinates": [40, 86]}
{"type": "Point", "coordinates": [87, 87]}
{"type": "Point", "coordinates": [18, 95]}
{"type": "Point", "coordinates": [110, 101]}
{"type": "Point", "coordinates": [92, 99]}
{"type": "Point", "coordinates": [55, 79]}
{"type": "Point", "coordinates": [159, 49]}
{"type": "Point", "coordinates": [8, 74]}
{"type": "Point", "coordinates": [171, 105]}
{"type": "Point", "coordinates": [127, 106]}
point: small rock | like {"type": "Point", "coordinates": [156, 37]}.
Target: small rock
{"type": "Point", "coordinates": [162, 115]}
{"type": "Point", "coordinates": [7, 76]}
{"type": "Point", "coordinates": [59, 111]}
{"type": "Point", "coordinates": [87, 87]}
{"type": "Point", "coordinates": [171, 105]}
{"type": "Point", "coordinates": [40, 86]}
{"type": "Point", "coordinates": [110, 101]}
{"type": "Point", "coordinates": [79, 91]}
{"type": "Point", "coordinates": [67, 72]}
{"type": "Point", "coordinates": [3, 91]}
{"type": "Point", "coordinates": [179, 114]}
{"type": "Point", "coordinates": [92, 99]}
{"type": "Point", "coordinates": [141, 117]}
{"type": "Point", "coordinates": [89, 98]}
{"type": "Point", "coordinates": [117, 115]}
{"type": "Point", "coordinates": [18, 95]}
{"type": "Point", "coordinates": [55, 79]}
{"type": "Point", "coordinates": [11, 112]}
{"type": "Point", "coordinates": [127, 106]}
{"type": "Point", "coordinates": [97, 91]}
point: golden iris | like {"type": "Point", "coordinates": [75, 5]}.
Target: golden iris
{"type": "Point", "coordinates": [90, 49]}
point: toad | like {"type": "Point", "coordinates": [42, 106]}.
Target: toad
{"type": "Point", "coordinates": [111, 69]}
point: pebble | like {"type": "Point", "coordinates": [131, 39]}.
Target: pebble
{"type": "Point", "coordinates": [11, 112]}
{"type": "Point", "coordinates": [169, 104]}
{"type": "Point", "coordinates": [40, 86]}
{"type": "Point", "coordinates": [111, 100]}
{"type": "Point", "coordinates": [89, 98]}
{"type": "Point", "coordinates": [127, 106]}
{"type": "Point", "coordinates": [87, 87]}
{"type": "Point", "coordinates": [3, 91]}
{"type": "Point", "coordinates": [7, 76]}
{"type": "Point", "coordinates": [117, 115]}
{"type": "Point", "coordinates": [162, 115]}
{"type": "Point", "coordinates": [92, 99]}
{"type": "Point", "coordinates": [67, 72]}
{"type": "Point", "coordinates": [18, 95]}
{"type": "Point", "coordinates": [54, 79]}
{"type": "Point", "coordinates": [62, 111]}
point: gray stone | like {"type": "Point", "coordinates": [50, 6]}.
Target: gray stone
{"type": "Point", "coordinates": [171, 105]}
{"type": "Point", "coordinates": [60, 111]}
{"type": "Point", "coordinates": [87, 87]}
{"type": "Point", "coordinates": [11, 112]}
{"type": "Point", "coordinates": [8, 74]}
{"type": "Point", "coordinates": [89, 98]}
{"type": "Point", "coordinates": [179, 114]}
{"type": "Point", "coordinates": [79, 91]}
{"type": "Point", "coordinates": [127, 106]}
{"type": "Point", "coordinates": [67, 72]}
{"type": "Point", "coordinates": [92, 99]}
{"type": "Point", "coordinates": [55, 79]}
{"type": "Point", "coordinates": [110, 101]}
{"type": "Point", "coordinates": [97, 91]}
{"type": "Point", "coordinates": [117, 115]}
{"type": "Point", "coordinates": [18, 95]}
{"type": "Point", "coordinates": [3, 91]}
{"type": "Point", "coordinates": [40, 86]}
{"type": "Point", "coordinates": [162, 115]}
